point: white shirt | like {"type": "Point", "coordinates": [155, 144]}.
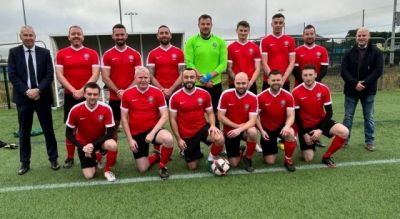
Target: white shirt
{"type": "Point", "coordinates": [33, 53]}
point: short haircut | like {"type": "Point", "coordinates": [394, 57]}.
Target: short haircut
{"type": "Point", "coordinates": [309, 67]}
{"type": "Point", "coordinates": [309, 26]}
{"type": "Point", "coordinates": [204, 16]}
{"type": "Point", "coordinates": [243, 24]}
{"type": "Point", "coordinates": [162, 26]}
{"type": "Point", "coordinates": [92, 85]}
{"type": "Point", "coordinates": [274, 72]}
{"type": "Point", "coordinates": [362, 29]}
{"type": "Point", "coordinates": [26, 27]}
{"type": "Point", "coordinates": [141, 69]}
{"type": "Point", "coordinates": [74, 26]}
{"type": "Point", "coordinates": [118, 26]}
{"type": "Point", "coordinates": [279, 15]}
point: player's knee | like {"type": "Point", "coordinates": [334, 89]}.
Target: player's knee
{"type": "Point", "coordinates": [252, 133]}
{"type": "Point", "coordinates": [88, 176]}
{"type": "Point", "coordinates": [343, 132]}
{"type": "Point", "coordinates": [111, 145]}
{"type": "Point", "coordinates": [219, 140]}
{"type": "Point", "coordinates": [192, 166]}
{"type": "Point", "coordinates": [269, 161]}
{"type": "Point", "coordinates": [167, 140]}
{"type": "Point", "coordinates": [234, 162]}
{"type": "Point", "coordinates": [142, 169]}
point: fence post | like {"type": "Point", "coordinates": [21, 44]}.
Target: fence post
{"type": "Point", "coordinates": [4, 67]}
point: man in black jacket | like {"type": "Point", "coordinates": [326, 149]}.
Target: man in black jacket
{"type": "Point", "coordinates": [362, 66]}
{"type": "Point", "coordinates": [31, 72]}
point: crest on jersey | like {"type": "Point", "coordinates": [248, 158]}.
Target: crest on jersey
{"type": "Point", "coordinates": [319, 95]}
{"type": "Point", "coordinates": [214, 45]}
{"type": "Point", "coordinates": [200, 101]}
{"type": "Point", "coordinates": [86, 56]}
{"type": "Point", "coordinates": [318, 55]}
{"type": "Point", "coordinates": [174, 56]}
{"type": "Point", "coordinates": [251, 51]}
{"type": "Point", "coordinates": [286, 43]}
{"type": "Point", "coordinates": [131, 58]}
{"type": "Point", "coordinates": [246, 107]}
{"type": "Point", "coordinates": [283, 103]}
{"type": "Point", "coordinates": [100, 118]}
{"type": "Point", "coordinates": [150, 99]}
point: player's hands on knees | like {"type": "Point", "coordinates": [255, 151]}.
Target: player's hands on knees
{"type": "Point", "coordinates": [182, 144]}
{"type": "Point", "coordinates": [264, 135]}
{"type": "Point", "coordinates": [285, 131]}
{"type": "Point", "coordinates": [233, 133]}
{"type": "Point", "coordinates": [88, 149]}
{"type": "Point", "coordinates": [149, 137]}
{"type": "Point", "coordinates": [133, 145]}
{"type": "Point", "coordinates": [214, 131]}
{"type": "Point", "coordinates": [315, 134]}
{"type": "Point", "coordinates": [307, 139]}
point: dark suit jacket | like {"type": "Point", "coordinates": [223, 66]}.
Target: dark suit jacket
{"type": "Point", "coordinates": [18, 74]}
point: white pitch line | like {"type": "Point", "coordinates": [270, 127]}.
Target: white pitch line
{"type": "Point", "coordinates": [184, 176]}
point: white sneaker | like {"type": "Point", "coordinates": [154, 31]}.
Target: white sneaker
{"type": "Point", "coordinates": [110, 176]}
{"type": "Point", "coordinates": [258, 148]}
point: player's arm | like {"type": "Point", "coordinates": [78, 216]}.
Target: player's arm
{"type": "Point", "coordinates": [289, 69]}
{"type": "Point", "coordinates": [108, 135]}
{"type": "Point", "coordinates": [178, 81]}
{"type": "Point", "coordinates": [95, 74]}
{"type": "Point", "coordinates": [264, 61]}
{"type": "Point", "coordinates": [264, 133]}
{"type": "Point", "coordinates": [69, 133]}
{"type": "Point", "coordinates": [105, 76]}
{"type": "Point", "coordinates": [159, 125]}
{"type": "Point", "coordinates": [222, 118]}
{"type": "Point", "coordinates": [231, 74]}
{"type": "Point", "coordinates": [322, 72]}
{"type": "Point", "coordinates": [174, 127]}
{"type": "Point", "coordinates": [297, 74]}
{"type": "Point", "coordinates": [223, 59]}
{"type": "Point", "coordinates": [250, 123]}
{"type": "Point", "coordinates": [63, 81]}
{"type": "Point", "coordinates": [154, 80]}
{"type": "Point", "coordinates": [257, 66]}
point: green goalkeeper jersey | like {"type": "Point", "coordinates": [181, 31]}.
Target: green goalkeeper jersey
{"type": "Point", "coordinates": [206, 55]}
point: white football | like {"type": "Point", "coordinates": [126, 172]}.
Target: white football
{"type": "Point", "coordinates": [220, 167]}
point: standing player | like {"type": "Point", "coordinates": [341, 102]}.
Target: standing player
{"type": "Point", "coordinates": [90, 125]}
{"type": "Point", "coordinates": [276, 117]}
{"type": "Point", "coordinates": [118, 70]}
{"type": "Point", "coordinates": [207, 54]}
{"type": "Point", "coordinates": [244, 56]}
{"type": "Point", "coordinates": [143, 115]}
{"type": "Point", "coordinates": [310, 53]}
{"type": "Point", "coordinates": [237, 111]}
{"type": "Point", "coordinates": [165, 63]}
{"type": "Point", "coordinates": [278, 52]}
{"type": "Point", "coordinates": [313, 106]}
{"type": "Point", "coordinates": [187, 107]}
{"type": "Point", "coordinates": [75, 66]}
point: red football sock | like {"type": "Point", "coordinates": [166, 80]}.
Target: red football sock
{"type": "Point", "coordinates": [152, 158]}
{"type": "Point", "coordinates": [290, 146]}
{"type": "Point", "coordinates": [251, 147]}
{"type": "Point", "coordinates": [110, 160]}
{"type": "Point", "coordinates": [157, 147]}
{"type": "Point", "coordinates": [215, 149]}
{"type": "Point", "coordinates": [70, 149]}
{"type": "Point", "coordinates": [98, 156]}
{"type": "Point", "coordinates": [166, 153]}
{"type": "Point", "coordinates": [336, 144]}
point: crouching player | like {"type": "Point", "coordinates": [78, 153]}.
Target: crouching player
{"type": "Point", "coordinates": [237, 110]}
{"type": "Point", "coordinates": [144, 113]}
{"type": "Point", "coordinates": [276, 117]}
{"type": "Point", "coordinates": [90, 127]}
{"type": "Point", "coordinates": [313, 106]}
{"type": "Point", "coordinates": [187, 108]}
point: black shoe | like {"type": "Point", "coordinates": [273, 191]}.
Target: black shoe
{"type": "Point", "coordinates": [290, 166]}
{"type": "Point", "coordinates": [164, 173]}
{"type": "Point", "coordinates": [68, 163]}
{"type": "Point", "coordinates": [329, 162]}
{"type": "Point", "coordinates": [24, 169]}
{"type": "Point", "coordinates": [54, 165]}
{"type": "Point", "coordinates": [248, 164]}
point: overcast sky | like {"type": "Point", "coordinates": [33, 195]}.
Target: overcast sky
{"type": "Point", "coordinates": [331, 18]}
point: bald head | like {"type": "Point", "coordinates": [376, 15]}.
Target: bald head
{"type": "Point", "coordinates": [362, 36]}
{"type": "Point", "coordinates": [241, 76]}
{"type": "Point", "coordinates": [241, 83]}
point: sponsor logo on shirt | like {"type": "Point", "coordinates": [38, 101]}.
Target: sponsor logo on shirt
{"type": "Point", "coordinates": [83, 118]}
{"type": "Point", "coordinates": [272, 44]}
{"type": "Point", "coordinates": [303, 98]}
{"type": "Point", "coordinates": [68, 57]}
{"type": "Point", "coordinates": [86, 56]}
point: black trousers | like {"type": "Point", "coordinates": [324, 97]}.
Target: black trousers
{"type": "Point", "coordinates": [25, 118]}
{"type": "Point", "coordinates": [215, 93]}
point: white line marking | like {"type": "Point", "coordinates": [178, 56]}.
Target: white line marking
{"type": "Point", "coordinates": [185, 176]}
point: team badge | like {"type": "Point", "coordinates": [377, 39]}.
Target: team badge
{"type": "Point", "coordinates": [246, 107]}
{"type": "Point", "coordinates": [174, 56]}
{"type": "Point", "coordinates": [131, 58]}
{"type": "Point", "coordinates": [251, 51]}
{"type": "Point", "coordinates": [100, 118]}
{"type": "Point", "coordinates": [286, 43]}
{"type": "Point", "coordinates": [318, 55]}
{"type": "Point", "coordinates": [86, 56]}
{"type": "Point", "coordinates": [214, 45]}
{"type": "Point", "coordinates": [319, 95]}
{"type": "Point", "coordinates": [200, 101]}
{"type": "Point", "coordinates": [283, 103]}
{"type": "Point", "coordinates": [150, 99]}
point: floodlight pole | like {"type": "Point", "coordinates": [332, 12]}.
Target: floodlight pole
{"type": "Point", "coordinates": [120, 12]}
{"type": "Point", "coordinates": [131, 14]}
{"type": "Point", "coordinates": [391, 57]}
{"type": "Point", "coordinates": [23, 9]}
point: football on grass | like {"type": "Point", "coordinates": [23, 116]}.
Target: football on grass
{"type": "Point", "coordinates": [220, 167]}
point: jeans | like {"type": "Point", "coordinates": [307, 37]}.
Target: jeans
{"type": "Point", "coordinates": [367, 103]}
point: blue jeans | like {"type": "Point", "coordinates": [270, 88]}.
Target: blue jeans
{"type": "Point", "coordinates": [367, 103]}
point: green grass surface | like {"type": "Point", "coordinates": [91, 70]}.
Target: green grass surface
{"type": "Point", "coordinates": [370, 191]}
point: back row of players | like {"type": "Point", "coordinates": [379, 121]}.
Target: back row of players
{"type": "Point", "coordinates": [142, 108]}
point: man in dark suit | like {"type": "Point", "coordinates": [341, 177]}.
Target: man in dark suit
{"type": "Point", "coordinates": [30, 70]}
